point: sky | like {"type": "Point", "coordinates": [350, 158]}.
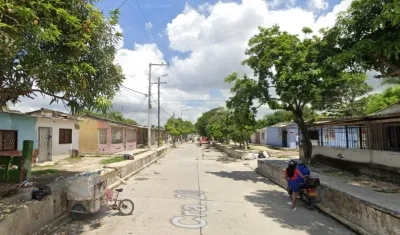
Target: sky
{"type": "Point", "coordinates": [203, 42]}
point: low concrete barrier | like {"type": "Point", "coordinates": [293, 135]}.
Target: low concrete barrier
{"type": "Point", "coordinates": [29, 217]}
{"type": "Point", "coordinates": [237, 154]}
{"type": "Point", "coordinates": [360, 215]}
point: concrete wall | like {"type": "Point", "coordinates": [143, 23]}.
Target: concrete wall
{"type": "Point", "coordinates": [384, 158]}
{"type": "Point", "coordinates": [88, 136]}
{"type": "Point", "coordinates": [273, 137]}
{"type": "Point", "coordinates": [292, 137]}
{"type": "Point", "coordinates": [31, 216]}
{"type": "Point", "coordinates": [60, 151]}
{"type": "Point", "coordinates": [89, 131]}
{"type": "Point", "coordinates": [238, 154]}
{"type": "Point", "coordinates": [25, 125]}
{"type": "Point", "coordinates": [360, 215]}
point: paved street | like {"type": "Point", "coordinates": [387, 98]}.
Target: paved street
{"type": "Point", "coordinates": [234, 201]}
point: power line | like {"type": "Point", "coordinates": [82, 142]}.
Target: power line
{"type": "Point", "coordinates": [160, 106]}
{"type": "Point", "coordinates": [134, 90]}
{"type": "Point", "coordinates": [122, 4]}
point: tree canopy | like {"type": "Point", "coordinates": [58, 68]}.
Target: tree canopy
{"type": "Point", "coordinates": [382, 100]}
{"type": "Point", "coordinates": [366, 37]}
{"type": "Point", "coordinates": [298, 70]}
{"type": "Point", "coordinates": [63, 49]}
{"type": "Point", "coordinates": [112, 115]}
{"type": "Point", "coordinates": [177, 127]}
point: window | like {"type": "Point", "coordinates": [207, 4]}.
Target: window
{"type": "Point", "coordinates": [103, 136]}
{"type": "Point", "coordinates": [116, 135]}
{"type": "Point", "coordinates": [130, 135]}
{"type": "Point", "coordinates": [263, 136]}
{"type": "Point", "coordinates": [392, 138]}
{"type": "Point", "coordinates": [65, 136]}
{"type": "Point", "coordinates": [8, 140]}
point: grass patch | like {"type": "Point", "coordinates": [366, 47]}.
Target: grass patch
{"type": "Point", "coordinates": [74, 159]}
{"type": "Point", "coordinates": [112, 160]}
{"type": "Point", "coordinates": [282, 156]}
{"type": "Point", "coordinates": [49, 171]}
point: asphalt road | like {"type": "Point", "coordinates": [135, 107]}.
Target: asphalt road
{"type": "Point", "coordinates": [234, 200]}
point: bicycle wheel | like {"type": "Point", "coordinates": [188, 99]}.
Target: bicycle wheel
{"type": "Point", "coordinates": [126, 207]}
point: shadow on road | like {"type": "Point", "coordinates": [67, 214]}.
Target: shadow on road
{"type": "Point", "coordinates": [272, 204]}
{"type": "Point", "coordinates": [90, 222]}
{"type": "Point", "coordinates": [241, 176]}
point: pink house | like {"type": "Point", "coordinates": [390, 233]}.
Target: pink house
{"type": "Point", "coordinates": [103, 136]}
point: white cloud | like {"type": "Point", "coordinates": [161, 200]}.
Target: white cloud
{"type": "Point", "coordinates": [215, 38]}
{"type": "Point", "coordinates": [319, 4]}
{"type": "Point", "coordinates": [148, 25]}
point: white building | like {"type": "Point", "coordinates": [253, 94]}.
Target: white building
{"type": "Point", "coordinates": [58, 134]}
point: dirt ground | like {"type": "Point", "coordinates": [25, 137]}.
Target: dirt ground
{"type": "Point", "coordinates": [273, 152]}
{"type": "Point", "coordinates": [357, 179]}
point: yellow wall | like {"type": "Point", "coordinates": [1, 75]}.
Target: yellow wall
{"type": "Point", "coordinates": [88, 136]}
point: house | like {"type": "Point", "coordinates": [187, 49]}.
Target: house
{"type": "Point", "coordinates": [143, 133]}
{"type": "Point", "coordinates": [57, 134]}
{"type": "Point", "coordinates": [369, 144]}
{"type": "Point", "coordinates": [282, 135]}
{"type": "Point", "coordinates": [259, 137]}
{"type": "Point", "coordinates": [104, 136]}
{"type": "Point", "coordinates": [15, 127]}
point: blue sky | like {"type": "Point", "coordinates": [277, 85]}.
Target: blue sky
{"type": "Point", "coordinates": [202, 45]}
{"type": "Point", "coordinates": [134, 14]}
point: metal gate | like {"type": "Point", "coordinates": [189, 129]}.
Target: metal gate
{"type": "Point", "coordinates": [45, 145]}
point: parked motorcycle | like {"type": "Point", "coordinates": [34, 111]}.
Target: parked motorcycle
{"type": "Point", "coordinates": [307, 193]}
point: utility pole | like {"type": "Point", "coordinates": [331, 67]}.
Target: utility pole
{"type": "Point", "coordinates": [159, 83]}
{"type": "Point", "coordinates": [149, 107]}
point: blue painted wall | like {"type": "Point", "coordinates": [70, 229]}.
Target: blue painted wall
{"type": "Point", "coordinates": [25, 125]}
{"type": "Point", "coordinates": [273, 137]}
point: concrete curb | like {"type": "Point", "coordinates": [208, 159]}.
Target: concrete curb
{"type": "Point", "coordinates": [341, 205]}
{"type": "Point", "coordinates": [33, 216]}
{"type": "Point", "coordinates": [116, 184]}
{"type": "Point", "coordinates": [323, 209]}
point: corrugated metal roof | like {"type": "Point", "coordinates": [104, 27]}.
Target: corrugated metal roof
{"type": "Point", "coordinates": [284, 124]}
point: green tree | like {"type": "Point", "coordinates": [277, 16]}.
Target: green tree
{"type": "Point", "coordinates": [299, 72]}
{"type": "Point", "coordinates": [367, 37]}
{"type": "Point", "coordinates": [177, 127]}
{"type": "Point", "coordinates": [63, 49]}
{"type": "Point", "coordinates": [240, 105]}
{"type": "Point", "coordinates": [275, 118]}
{"type": "Point", "coordinates": [350, 104]}
{"type": "Point", "coordinates": [381, 101]}
{"type": "Point", "coordinates": [112, 115]}
{"type": "Point", "coordinates": [211, 123]}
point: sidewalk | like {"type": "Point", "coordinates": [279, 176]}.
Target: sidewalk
{"type": "Point", "coordinates": [361, 200]}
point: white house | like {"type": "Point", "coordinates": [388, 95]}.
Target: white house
{"type": "Point", "coordinates": [58, 134]}
{"type": "Point", "coordinates": [282, 135]}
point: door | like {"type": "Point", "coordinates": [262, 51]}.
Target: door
{"type": "Point", "coordinates": [257, 138]}
{"type": "Point", "coordinates": [284, 138]}
{"type": "Point", "coordinates": [45, 140]}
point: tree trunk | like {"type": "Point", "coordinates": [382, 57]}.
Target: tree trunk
{"type": "Point", "coordinates": [305, 133]}
{"type": "Point", "coordinates": [245, 145]}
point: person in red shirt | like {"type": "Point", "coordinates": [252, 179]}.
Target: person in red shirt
{"type": "Point", "coordinates": [291, 175]}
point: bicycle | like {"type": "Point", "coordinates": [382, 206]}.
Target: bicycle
{"type": "Point", "coordinates": [119, 204]}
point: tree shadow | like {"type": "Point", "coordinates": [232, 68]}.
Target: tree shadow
{"type": "Point", "coordinates": [272, 203]}
{"type": "Point", "coordinates": [241, 176]}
